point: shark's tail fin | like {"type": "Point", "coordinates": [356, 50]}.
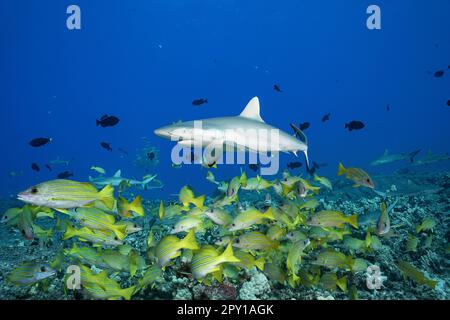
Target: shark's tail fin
{"type": "Point", "coordinates": [146, 180]}
{"type": "Point", "coordinates": [413, 154]}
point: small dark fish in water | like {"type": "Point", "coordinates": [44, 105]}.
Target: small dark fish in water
{"type": "Point", "coordinates": [354, 125]}
{"type": "Point", "coordinates": [254, 167]}
{"type": "Point", "coordinates": [123, 151]}
{"type": "Point", "coordinates": [39, 142]}
{"type": "Point", "coordinates": [277, 88]}
{"type": "Point", "coordinates": [303, 126]}
{"type": "Point", "coordinates": [326, 117]}
{"type": "Point", "coordinates": [439, 73]}
{"type": "Point", "coordinates": [448, 103]}
{"type": "Point", "coordinates": [48, 167]}
{"type": "Point", "coordinates": [151, 156]}
{"type": "Point", "coordinates": [65, 175]}
{"type": "Point", "coordinates": [316, 166]}
{"type": "Point", "coordinates": [105, 145]}
{"type": "Point", "coordinates": [294, 165]}
{"type": "Point", "coordinates": [199, 102]}
{"type": "Point", "coordinates": [35, 167]}
{"type": "Point", "coordinates": [388, 108]}
{"type": "Point", "coordinates": [107, 121]}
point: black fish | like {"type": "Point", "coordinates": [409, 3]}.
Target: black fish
{"type": "Point", "coordinates": [294, 165]}
{"type": "Point", "coordinates": [199, 102]}
{"type": "Point", "coordinates": [448, 103]}
{"type": "Point", "coordinates": [326, 117]}
{"type": "Point", "coordinates": [65, 175]}
{"type": "Point", "coordinates": [388, 108]}
{"type": "Point", "coordinates": [39, 142]}
{"type": "Point", "coordinates": [254, 167]}
{"type": "Point", "coordinates": [107, 121]}
{"type": "Point", "coordinates": [151, 156]}
{"type": "Point", "coordinates": [48, 167]}
{"type": "Point", "coordinates": [303, 126]}
{"type": "Point", "coordinates": [354, 125]}
{"type": "Point", "coordinates": [439, 73]}
{"type": "Point", "coordinates": [35, 167]}
{"type": "Point", "coordinates": [105, 145]}
{"type": "Point", "coordinates": [277, 88]}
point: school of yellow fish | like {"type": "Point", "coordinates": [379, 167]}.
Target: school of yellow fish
{"type": "Point", "coordinates": [284, 235]}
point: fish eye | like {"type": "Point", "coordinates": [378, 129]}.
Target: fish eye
{"type": "Point", "coordinates": [237, 240]}
{"type": "Point", "coordinates": [22, 231]}
{"type": "Point", "coordinates": [135, 225]}
{"type": "Point", "coordinates": [34, 190]}
{"type": "Point", "coordinates": [233, 225]}
{"type": "Point", "coordinates": [43, 268]}
{"type": "Point", "coordinates": [115, 238]}
{"type": "Point", "coordinates": [173, 227]}
{"type": "Point", "coordinates": [368, 180]}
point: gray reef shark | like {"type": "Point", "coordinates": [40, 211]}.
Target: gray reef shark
{"type": "Point", "coordinates": [431, 158]}
{"type": "Point", "coordinates": [247, 129]}
{"type": "Point", "coordinates": [394, 157]}
{"type": "Point", "coordinates": [117, 180]}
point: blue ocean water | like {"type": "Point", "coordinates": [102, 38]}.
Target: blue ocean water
{"type": "Point", "coordinates": [145, 61]}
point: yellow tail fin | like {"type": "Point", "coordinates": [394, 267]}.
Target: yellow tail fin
{"type": "Point", "coordinates": [341, 169]}
{"type": "Point", "coordinates": [128, 292]}
{"type": "Point", "coordinates": [161, 210]}
{"type": "Point", "coordinates": [198, 202]}
{"type": "Point", "coordinates": [353, 220]}
{"type": "Point", "coordinates": [120, 231]}
{"type": "Point", "coordinates": [269, 214]}
{"type": "Point", "coordinates": [70, 232]}
{"type": "Point", "coordinates": [227, 255]}
{"type": "Point", "coordinates": [243, 179]}
{"type": "Point", "coordinates": [259, 263]}
{"type": "Point", "coordinates": [106, 195]}
{"type": "Point", "coordinates": [189, 242]}
{"type": "Point", "coordinates": [136, 206]}
{"type": "Point", "coordinates": [342, 283]}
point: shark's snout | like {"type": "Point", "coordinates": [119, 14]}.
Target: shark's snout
{"type": "Point", "coordinates": [162, 132]}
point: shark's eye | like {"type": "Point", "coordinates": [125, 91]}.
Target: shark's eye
{"type": "Point", "coordinates": [34, 190]}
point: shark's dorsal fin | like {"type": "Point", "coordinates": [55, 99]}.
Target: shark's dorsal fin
{"type": "Point", "coordinates": [386, 152]}
{"type": "Point", "coordinates": [251, 111]}
{"type": "Point", "coordinates": [118, 174]}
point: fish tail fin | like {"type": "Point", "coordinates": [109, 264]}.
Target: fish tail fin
{"type": "Point", "coordinates": [136, 206]}
{"type": "Point", "coordinates": [341, 169]}
{"type": "Point", "coordinates": [413, 154]}
{"type": "Point", "coordinates": [161, 210]}
{"type": "Point", "coordinates": [269, 214]}
{"type": "Point", "coordinates": [418, 228]}
{"type": "Point", "coordinates": [431, 283]}
{"type": "Point", "coordinates": [198, 202]}
{"type": "Point", "coordinates": [243, 179]}
{"type": "Point", "coordinates": [342, 283]}
{"type": "Point", "coordinates": [128, 292]}
{"type": "Point", "coordinates": [70, 232]}
{"type": "Point", "coordinates": [227, 255]}
{"type": "Point", "coordinates": [106, 195]}
{"type": "Point", "coordinates": [353, 220]}
{"type": "Point", "coordinates": [120, 231]}
{"type": "Point", "coordinates": [189, 242]}
{"type": "Point", "coordinates": [259, 263]}
{"type": "Point", "coordinates": [147, 180]}
{"type": "Point", "coordinates": [308, 167]}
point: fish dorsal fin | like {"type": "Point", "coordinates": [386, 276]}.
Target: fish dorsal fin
{"type": "Point", "coordinates": [118, 174]}
{"type": "Point", "coordinates": [251, 111]}
{"type": "Point", "coordinates": [386, 152]}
